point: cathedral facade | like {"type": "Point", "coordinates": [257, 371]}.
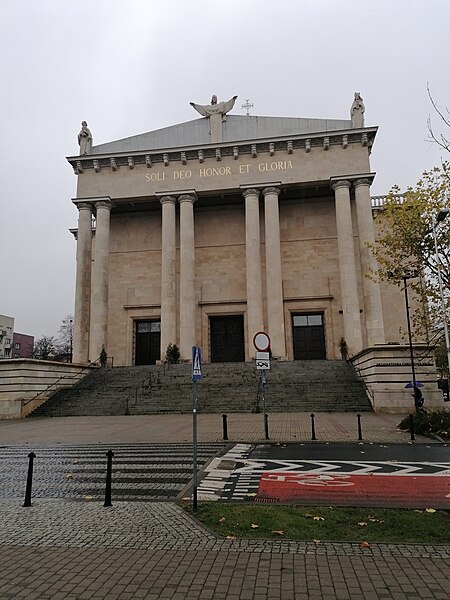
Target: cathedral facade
{"type": "Point", "coordinates": [210, 231]}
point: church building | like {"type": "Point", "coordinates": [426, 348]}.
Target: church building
{"type": "Point", "coordinates": [210, 231]}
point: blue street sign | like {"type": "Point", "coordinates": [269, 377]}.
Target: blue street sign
{"type": "Point", "coordinates": [196, 363]}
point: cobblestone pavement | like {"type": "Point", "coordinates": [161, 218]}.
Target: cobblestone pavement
{"type": "Point", "coordinates": [79, 550]}
{"type": "Point", "coordinates": [283, 427]}
{"type": "Point", "coordinates": [73, 550]}
{"type": "Point", "coordinates": [140, 471]}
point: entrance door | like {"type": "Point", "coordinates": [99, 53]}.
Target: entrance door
{"type": "Point", "coordinates": [227, 338]}
{"type": "Point", "coordinates": [148, 342]}
{"type": "Point", "coordinates": [309, 337]}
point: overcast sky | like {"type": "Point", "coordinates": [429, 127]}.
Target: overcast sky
{"type": "Point", "coordinates": [131, 67]}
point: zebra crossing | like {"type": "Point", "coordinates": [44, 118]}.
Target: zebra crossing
{"type": "Point", "coordinates": [140, 471]}
{"type": "Point", "coordinates": [219, 477]}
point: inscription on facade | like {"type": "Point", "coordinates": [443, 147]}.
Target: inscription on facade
{"type": "Point", "coordinates": [222, 171]}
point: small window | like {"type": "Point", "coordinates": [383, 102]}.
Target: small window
{"type": "Point", "coordinates": [300, 321]}
{"type": "Point", "coordinates": [314, 319]}
{"type": "Point", "coordinates": [155, 327]}
{"type": "Point", "coordinates": [17, 346]}
{"type": "Point", "coordinates": [144, 327]}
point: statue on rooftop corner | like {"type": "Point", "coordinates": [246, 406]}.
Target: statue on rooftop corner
{"type": "Point", "coordinates": [85, 139]}
{"type": "Point", "coordinates": [357, 111]}
{"type": "Point", "coordinates": [215, 108]}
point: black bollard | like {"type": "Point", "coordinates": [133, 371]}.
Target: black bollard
{"type": "Point", "coordinates": [313, 428]}
{"type": "Point", "coordinates": [109, 454]}
{"type": "Point", "coordinates": [266, 425]}
{"type": "Point", "coordinates": [411, 426]}
{"type": "Point", "coordinates": [27, 501]}
{"type": "Point", "coordinates": [360, 437]}
{"type": "Point", "coordinates": [225, 427]}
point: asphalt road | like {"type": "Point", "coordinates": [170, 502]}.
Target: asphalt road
{"type": "Point", "coordinates": [393, 475]}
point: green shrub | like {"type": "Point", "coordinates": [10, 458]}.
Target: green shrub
{"type": "Point", "coordinates": [103, 357]}
{"type": "Point", "coordinates": [172, 354]}
{"type": "Point", "coordinates": [429, 423]}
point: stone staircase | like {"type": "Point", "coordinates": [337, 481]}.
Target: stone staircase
{"type": "Point", "coordinates": [226, 387]}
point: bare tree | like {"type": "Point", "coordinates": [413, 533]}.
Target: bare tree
{"type": "Point", "coordinates": [65, 340]}
{"type": "Point", "coordinates": [45, 348]}
{"type": "Point", "coordinates": [444, 115]}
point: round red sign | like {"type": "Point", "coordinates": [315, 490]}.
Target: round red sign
{"type": "Point", "coordinates": [261, 341]}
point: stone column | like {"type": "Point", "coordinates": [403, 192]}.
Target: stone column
{"type": "Point", "coordinates": [187, 276]}
{"type": "Point", "coordinates": [255, 320]}
{"type": "Point", "coordinates": [347, 267]}
{"type": "Point", "coordinates": [83, 284]}
{"type": "Point", "coordinates": [371, 290]}
{"type": "Point", "coordinates": [99, 297]}
{"type": "Point", "coordinates": [168, 275]}
{"type": "Point", "coordinates": [274, 281]}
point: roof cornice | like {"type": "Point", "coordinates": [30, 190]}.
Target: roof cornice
{"type": "Point", "coordinates": [290, 143]}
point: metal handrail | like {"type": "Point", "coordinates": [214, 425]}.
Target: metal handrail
{"type": "Point", "coordinates": [76, 375]}
{"type": "Point", "coordinates": [153, 378]}
{"type": "Point", "coordinates": [368, 391]}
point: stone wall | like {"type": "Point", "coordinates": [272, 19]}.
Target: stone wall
{"type": "Point", "coordinates": [386, 369]}
{"type": "Point", "coordinates": [21, 380]}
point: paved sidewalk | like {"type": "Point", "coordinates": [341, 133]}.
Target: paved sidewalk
{"type": "Point", "coordinates": [59, 550]}
{"type": "Point", "coordinates": [283, 427]}
{"type": "Point", "coordinates": [79, 551]}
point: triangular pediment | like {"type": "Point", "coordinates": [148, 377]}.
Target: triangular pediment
{"type": "Point", "coordinates": [236, 128]}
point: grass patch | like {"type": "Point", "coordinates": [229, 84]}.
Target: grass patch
{"type": "Point", "coordinates": [325, 523]}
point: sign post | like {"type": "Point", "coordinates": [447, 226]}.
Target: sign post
{"type": "Point", "coordinates": [196, 376]}
{"type": "Point", "coordinates": [261, 342]}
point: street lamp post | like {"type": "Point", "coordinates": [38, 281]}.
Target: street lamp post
{"type": "Point", "coordinates": [405, 278]}
{"type": "Point", "coordinates": [443, 213]}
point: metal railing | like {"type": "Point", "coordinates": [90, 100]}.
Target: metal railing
{"type": "Point", "coordinates": [153, 378]}
{"type": "Point", "coordinates": [367, 389]}
{"type": "Point", "coordinates": [59, 380]}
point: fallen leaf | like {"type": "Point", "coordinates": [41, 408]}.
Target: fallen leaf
{"type": "Point", "coordinates": [254, 526]}
{"type": "Point", "coordinates": [278, 532]}
{"type": "Point", "coordinates": [222, 520]}
{"type": "Point", "coordinates": [231, 537]}
{"type": "Point", "coordinates": [316, 541]}
{"type": "Point", "coordinates": [186, 498]}
{"type": "Point", "coordinates": [69, 476]}
{"type": "Point", "coordinates": [430, 510]}
{"type": "Point", "coordinates": [365, 544]}
{"type": "Point", "coordinates": [317, 518]}
{"type": "Point", "coordinates": [362, 524]}
{"type": "Point", "coordinates": [89, 497]}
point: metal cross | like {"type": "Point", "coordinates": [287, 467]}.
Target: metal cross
{"type": "Point", "coordinates": [247, 106]}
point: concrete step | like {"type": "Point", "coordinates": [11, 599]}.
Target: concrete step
{"type": "Point", "coordinates": [225, 387]}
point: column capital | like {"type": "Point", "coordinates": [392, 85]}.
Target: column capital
{"type": "Point", "coordinates": [271, 190]}
{"type": "Point", "coordinates": [168, 200]}
{"type": "Point", "coordinates": [103, 203]}
{"type": "Point", "coordinates": [250, 192]}
{"type": "Point", "coordinates": [84, 206]}
{"type": "Point", "coordinates": [340, 183]}
{"type": "Point", "coordinates": [362, 181]}
{"type": "Point", "coordinates": [187, 198]}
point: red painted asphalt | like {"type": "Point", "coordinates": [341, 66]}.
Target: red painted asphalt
{"type": "Point", "coordinates": [407, 491]}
